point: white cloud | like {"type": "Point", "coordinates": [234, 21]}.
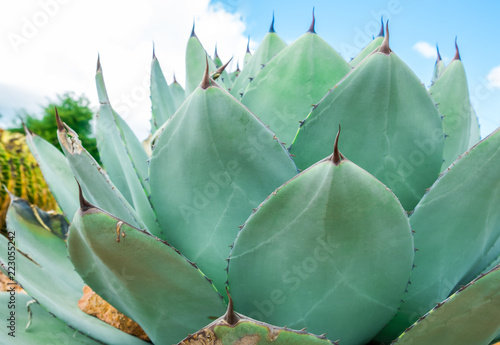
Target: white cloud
{"type": "Point", "coordinates": [51, 46]}
{"type": "Point", "coordinates": [494, 77]}
{"type": "Point", "coordinates": [425, 49]}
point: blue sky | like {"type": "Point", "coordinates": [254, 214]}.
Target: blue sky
{"type": "Point", "coordinates": [346, 24]}
{"type": "Point", "coordinates": [51, 46]}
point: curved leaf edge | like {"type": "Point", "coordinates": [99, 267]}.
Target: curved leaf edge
{"type": "Point", "coordinates": [443, 303]}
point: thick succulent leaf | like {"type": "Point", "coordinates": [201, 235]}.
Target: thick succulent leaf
{"type": "Point", "coordinates": [265, 334]}
{"type": "Point", "coordinates": [391, 127]}
{"type": "Point", "coordinates": [330, 250]}
{"type": "Point", "coordinates": [224, 79]}
{"type": "Point", "coordinates": [457, 230]}
{"type": "Point", "coordinates": [97, 186]}
{"type": "Point", "coordinates": [212, 164]}
{"type": "Point", "coordinates": [141, 276]}
{"type": "Point", "coordinates": [124, 158]}
{"type": "Point", "coordinates": [178, 93]}
{"type": "Point", "coordinates": [374, 44]}
{"type": "Point", "coordinates": [53, 223]}
{"type": "Point", "coordinates": [271, 45]}
{"type": "Point", "coordinates": [115, 139]}
{"type": "Point", "coordinates": [217, 61]}
{"type": "Point", "coordinates": [233, 329]}
{"type": "Point", "coordinates": [156, 135]}
{"type": "Point", "coordinates": [469, 317]}
{"type": "Point", "coordinates": [37, 235]}
{"type": "Point", "coordinates": [234, 74]}
{"type": "Point", "coordinates": [47, 274]}
{"type": "Point", "coordinates": [43, 328]}
{"type": "Point", "coordinates": [248, 55]}
{"type": "Point", "coordinates": [162, 98]}
{"type": "Point", "coordinates": [492, 265]}
{"type": "Point", "coordinates": [451, 94]}
{"type": "Point", "coordinates": [196, 59]}
{"type": "Point", "coordinates": [475, 133]}
{"type": "Point", "coordinates": [56, 172]}
{"type": "Point", "coordinates": [282, 93]}
{"type": "Point", "coordinates": [439, 68]}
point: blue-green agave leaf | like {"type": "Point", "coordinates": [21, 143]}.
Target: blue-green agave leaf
{"type": "Point", "coordinates": [298, 77]}
{"type": "Point", "coordinates": [271, 45]}
{"type": "Point", "coordinates": [374, 44]}
{"type": "Point", "coordinates": [36, 258]}
{"type": "Point", "coordinates": [178, 93]}
{"type": "Point", "coordinates": [439, 67]}
{"type": "Point", "coordinates": [124, 158]}
{"type": "Point", "coordinates": [468, 317]}
{"type": "Point", "coordinates": [457, 230]}
{"type": "Point", "coordinates": [234, 74]}
{"type": "Point", "coordinates": [330, 250]}
{"type": "Point", "coordinates": [141, 276]}
{"type": "Point", "coordinates": [43, 328]}
{"type": "Point", "coordinates": [196, 59]}
{"type": "Point", "coordinates": [233, 328]}
{"type": "Point", "coordinates": [475, 135]}
{"type": "Point", "coordinates": [96, 184]}
{"type": "Point", "coordinates": [56, 172]}
{"type": "Point", "coordinates": [392, 127]}
{"type": "Point", "coordinates": [248, 54]}
{"type": "Point", "coordinates": [162, 98]}
{"type": "Point", "coordinates": [212, 164]}
{"type": "Point", "coordinates": [451, 93]}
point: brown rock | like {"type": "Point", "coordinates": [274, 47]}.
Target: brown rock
{"type": "Point", "coordinates": [6, 284]}
{"type": "Point", "coordinates": [92, 304]}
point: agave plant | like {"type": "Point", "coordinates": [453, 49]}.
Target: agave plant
{"type": "Point", "coordinates": [394, 239]}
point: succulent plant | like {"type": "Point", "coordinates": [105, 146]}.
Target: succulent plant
{"type": "Point", "coordinates": [372, 245]}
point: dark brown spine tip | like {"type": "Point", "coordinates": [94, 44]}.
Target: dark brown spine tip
{"type": "Point", "coordinates": [60, 124]}
{"type": "Point", "coordinates": [175, 80]}
{"type": "Point", "coordinates": [248, 45]}
{"type": "Point", "coordinates": [438, 55]}
{"type": "Point", "coordinates": [193, 34]}
{"type": "Point", "coordinates": [457, 53]}
{"type": "Point", "coordinates": [98, 63]}
{"type": "Point", "coordinates": [271, 28]}
{"type": "Point", "coordinates": [154, 55]}
{"type": "Point", "coordinates": [84, 204]}
{"type": "Point", "coordinates": [337, 156]}
{"type": "Point", "coordinates": [311, 28]}
{"type": "Point", "coordinates": [238, 67]}
{"type": "Point", "coordinates": [384, 47]}
{"type": "Point", "coordinates": [223, 67]}
{"type": "Point", "coordinates": [205, 82]}
{"type": "Point", "coordinates": [381, 32]}
{"type": "Point", "coordinates": [230, 316]}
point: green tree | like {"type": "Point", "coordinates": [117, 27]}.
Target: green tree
{"type": "Point", "coordinates": [73, 110]}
